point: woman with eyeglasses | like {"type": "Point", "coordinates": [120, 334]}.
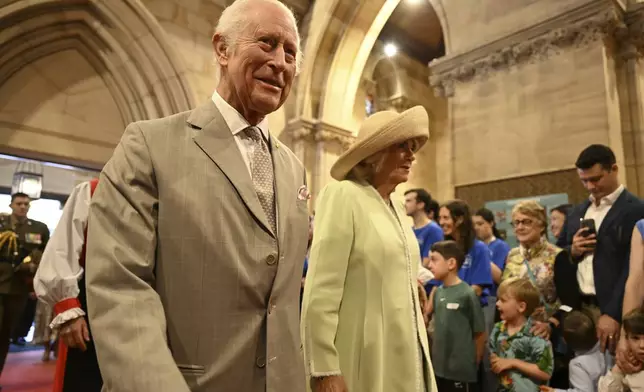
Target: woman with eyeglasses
{"type": "Point", "coordinates": [549, 269]}
{"type": "Point", "coordinates": [534, 259]}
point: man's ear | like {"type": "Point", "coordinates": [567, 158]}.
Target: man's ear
{"type": "Point", "coordinates": [220, 48]}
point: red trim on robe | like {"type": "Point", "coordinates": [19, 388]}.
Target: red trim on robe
{"type": "Point", "coordinates": [61, 361]}
{"type": "Point", "coordinates": [66, 304]}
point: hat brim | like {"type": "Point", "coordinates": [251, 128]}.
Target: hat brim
{"type": "Point", "coordinates": [410, 124]}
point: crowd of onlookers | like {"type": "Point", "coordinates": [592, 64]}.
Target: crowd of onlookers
{"type": "Point", "coordinates": [547, 314]}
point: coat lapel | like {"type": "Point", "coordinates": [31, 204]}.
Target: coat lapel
{"type": "Point", "coordinates": [621, 205]}
{"type": "Point", "coordinates": [217, 141]}
{"type": "Point", "coordinates": [285, 196]}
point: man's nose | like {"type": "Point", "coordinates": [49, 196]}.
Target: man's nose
{"type": "Point", "coordinates": [278, 62]}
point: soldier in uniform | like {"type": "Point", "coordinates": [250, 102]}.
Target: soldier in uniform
{"type": "Point", "coordinates": [22, 242]}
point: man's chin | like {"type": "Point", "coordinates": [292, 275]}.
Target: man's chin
{"type": "Point", "coordinates": [267, 105]}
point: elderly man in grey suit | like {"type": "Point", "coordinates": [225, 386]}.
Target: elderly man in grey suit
{"type": "Point", "coordinates": [198, 231]}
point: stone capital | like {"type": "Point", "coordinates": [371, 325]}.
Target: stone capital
{"type": "Point", "coordinates": [326, 132]}
{"type": "Point", "coordinates": [630, 35]}
{"type": "Point", "coordinates": [577, 28]}
{"type": "Point", "coordinates": [316, 131]}
{"type": "Point", "coordinates": [299, 129]}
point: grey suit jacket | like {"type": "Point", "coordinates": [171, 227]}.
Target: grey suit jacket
{"type": "Point", "coordinates": [187, 288]}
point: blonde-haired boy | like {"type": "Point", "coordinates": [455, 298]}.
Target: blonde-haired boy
{"type": "Point", "coordinates": [522, 360]}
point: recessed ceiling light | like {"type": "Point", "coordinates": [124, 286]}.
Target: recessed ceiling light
{"type": "Point", "coordinates": [390, 50]}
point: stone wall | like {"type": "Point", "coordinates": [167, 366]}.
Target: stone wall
{"type": "Point", "coordinates": [528, 102]}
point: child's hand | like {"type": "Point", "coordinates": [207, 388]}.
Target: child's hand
{"type": "Point", "coordinates": [499, 365]}
{"type": "Point", "coordinates": [545, 388]}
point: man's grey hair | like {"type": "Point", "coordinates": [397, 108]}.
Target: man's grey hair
{"type": "Point", "coordinates": [235, 19]}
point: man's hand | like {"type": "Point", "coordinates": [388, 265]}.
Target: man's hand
{"type": "Point", "coordinates": [499, 365]}
{"type": "Point", "coordinates": [626, 361]}
{"type": "Point", "coordinates": [582, 244]}
{"type": "Point", "coordinates": [607, 332]}
{"type": "Point", "coordinates": [329, 384]}
{"type": "Point", "coordinates": [545, 388]}
{"type": "Point", "coordinates": [541, 329]}
{"type": "Point", "coordinates": [75, 333]}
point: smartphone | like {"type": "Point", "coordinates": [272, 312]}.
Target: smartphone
{"type": "Point", "coordinates": [588, 224]}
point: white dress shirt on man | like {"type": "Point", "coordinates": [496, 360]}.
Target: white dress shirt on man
{"type": "Point", "coordinates": [585, 276]}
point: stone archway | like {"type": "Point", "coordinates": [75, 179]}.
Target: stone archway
{"type": "Point", "coordinates": [116, 48]}
{"type": "Point", "coordinates": [344, 32]}
{"type": "Point", "coordinates": [340, 36]}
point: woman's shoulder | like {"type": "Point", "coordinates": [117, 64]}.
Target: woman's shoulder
{"type": "Point", "coordinates": [552, 249]}
{"type": "Point", "coordinates": [515, 252]}
{"type": "Point", "coordinates": [344, 188]}
{"type": "Point", "coordinates": [640, 227]}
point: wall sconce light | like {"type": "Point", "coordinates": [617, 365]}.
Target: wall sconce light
{"type": "Point", "coordinates": [27, 179]}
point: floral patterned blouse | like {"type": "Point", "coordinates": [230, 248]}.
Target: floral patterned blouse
{"type": "Point", "coordinates": [541, 259]}
{"type": "Point", "coordinates": [523, 346]}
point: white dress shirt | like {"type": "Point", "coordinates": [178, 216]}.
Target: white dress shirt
{"type": "Point", "coordinates": [585, 275]}
{"type": "Point", "coordinates": [59, 270]}
{"type": "Point", "coordinates": [237, 123]}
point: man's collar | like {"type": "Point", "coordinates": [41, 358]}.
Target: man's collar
{"type": "Point", "coordinates": [15, 220]}
{"type": "Point", "coordinates": [610, 199]}
{"type": "Point", "coordinates": [235, 121]}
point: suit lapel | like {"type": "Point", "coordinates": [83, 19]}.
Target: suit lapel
{"type": "Point", "coordinates": [621, 205]}
{"type": "Point", "coordinates": [284, 193]}
{"type": "Point", "coordinates": [217, 141]}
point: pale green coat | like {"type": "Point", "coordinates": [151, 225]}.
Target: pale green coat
{"type": "Point", "coordinates": [360, 315]}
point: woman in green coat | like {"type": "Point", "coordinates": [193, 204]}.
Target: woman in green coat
{"type": "Point", "coordinates": [362, 325]}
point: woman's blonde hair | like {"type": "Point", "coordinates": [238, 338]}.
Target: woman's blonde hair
{"type": "Point", "coordinates": [534, 210]}
{"type": "Point", "coordinates": [365, 171]}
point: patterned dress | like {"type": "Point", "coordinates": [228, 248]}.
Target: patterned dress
{"type": "Point", "coordinates": [541, 259]}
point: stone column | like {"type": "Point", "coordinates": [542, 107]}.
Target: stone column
{"type": "Point", "coordinates": [330, 143]}
{"type": "Point", "coordinates": [630, 75]}
{"type": "Point", "coordinates": [317, 145]}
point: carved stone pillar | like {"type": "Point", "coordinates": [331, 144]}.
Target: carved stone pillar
{"type": "Point", "coordinates": [330, 143]}
{"type": "Point", "coordinates": [629, 39]}
{"type": "Point", "coordinates": [317, 145]}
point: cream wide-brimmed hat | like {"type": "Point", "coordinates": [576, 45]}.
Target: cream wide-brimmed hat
{"type": "Point", "coordinates": [379, 131]}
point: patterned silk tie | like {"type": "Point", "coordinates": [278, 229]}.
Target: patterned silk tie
{"type": "Point", "coordinates": [261, 167]}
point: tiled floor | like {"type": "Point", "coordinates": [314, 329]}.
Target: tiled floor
{"type": "Point", "coordinates": [25, 372]}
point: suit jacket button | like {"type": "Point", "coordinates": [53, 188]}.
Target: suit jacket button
{"type": "Point", "coordinates": [260, 362]}
{"type": "Point", "coordinates": [271, 259]}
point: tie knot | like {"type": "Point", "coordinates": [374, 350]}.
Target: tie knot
{"type": "Point", "coordinates": [253, 133]}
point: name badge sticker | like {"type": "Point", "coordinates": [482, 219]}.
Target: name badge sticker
{"type": "Point", "coordinates": [452, 306]}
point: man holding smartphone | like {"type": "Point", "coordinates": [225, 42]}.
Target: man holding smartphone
{"type": "Point", "coordinates": [598, 233]}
